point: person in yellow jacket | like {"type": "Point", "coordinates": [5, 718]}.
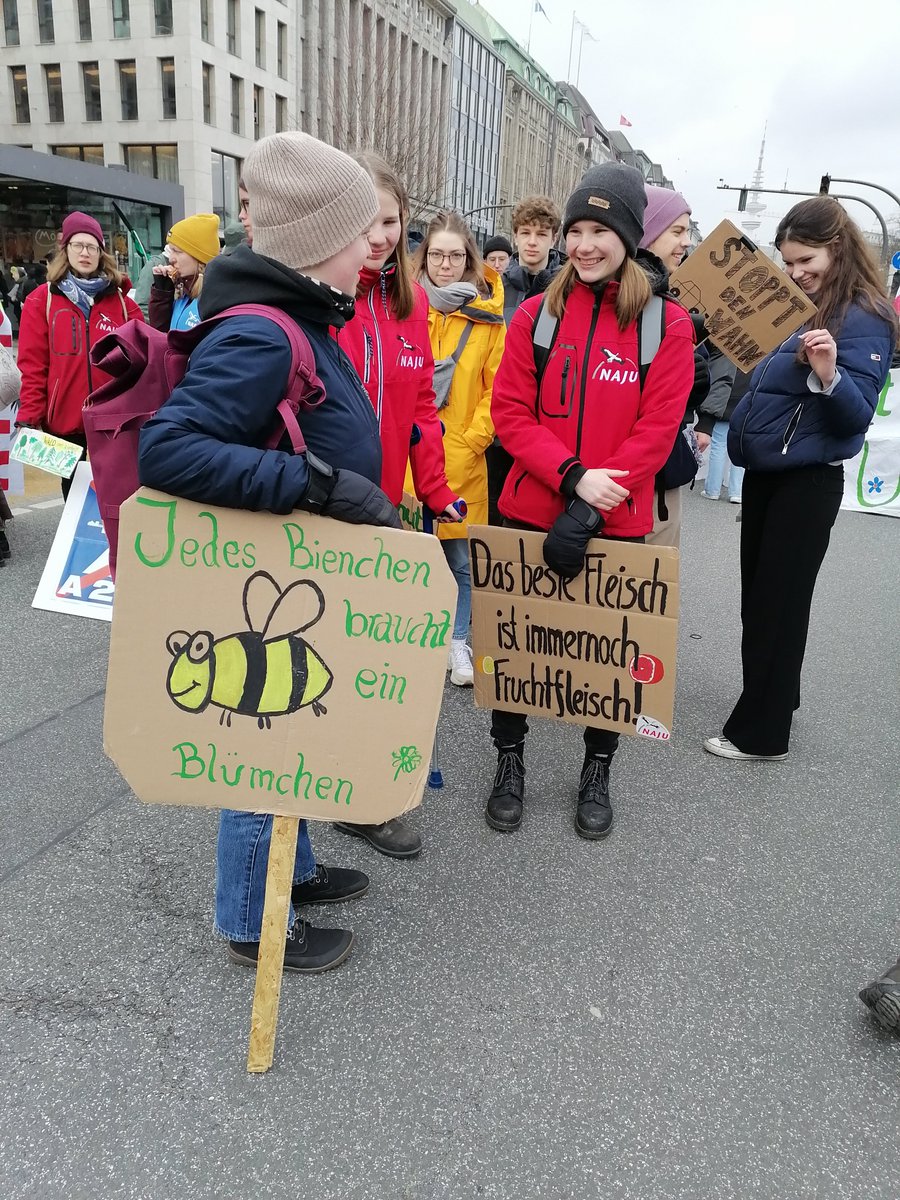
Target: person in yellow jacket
{"type": "Point", "coordinates": [467, 332]}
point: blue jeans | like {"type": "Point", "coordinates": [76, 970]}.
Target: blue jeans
{"type": "Point", "coordinates": [456, 551]}
{"type": "Point", "coordinates": [241, 863]}
{"type": "Point", "coordinates": [718, 460]}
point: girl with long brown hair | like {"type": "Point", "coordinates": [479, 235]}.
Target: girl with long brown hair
{"type": "Point", "coordinates": [808, 407]}
{"type": "Point", "coordinates": [387, 341]}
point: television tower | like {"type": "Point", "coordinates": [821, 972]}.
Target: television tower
{"type": "Point", "coordinates": [755, 204]}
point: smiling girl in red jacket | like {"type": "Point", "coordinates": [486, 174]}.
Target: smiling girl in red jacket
{"type": "Point", "coordinates": [388, 343]}
{"type": "Point", "coordinates": [588, 441]}
{"type": "Point", "coordinates": [83, 300]}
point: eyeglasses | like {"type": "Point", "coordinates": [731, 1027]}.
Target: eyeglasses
{"type": "Point", "coordinates": [436, 257]}
{"type": "Point", "coordinates": [84, 248]}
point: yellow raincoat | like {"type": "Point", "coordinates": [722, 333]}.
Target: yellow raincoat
{"type": "Point", "coordinates": [468, 429]}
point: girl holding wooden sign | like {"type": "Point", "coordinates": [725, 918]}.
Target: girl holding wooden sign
{"type": "Point", "coordinates": [809, 405]}
{"type": "Point", "coordinates": [589, 422]}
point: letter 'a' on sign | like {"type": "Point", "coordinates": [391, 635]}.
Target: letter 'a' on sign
{"type": "Point", "coordinates": [289, 665]}
{"type": "Point", "coordinates": [595, 650]}
{"type": "Point", "coordinates": [749, 305]}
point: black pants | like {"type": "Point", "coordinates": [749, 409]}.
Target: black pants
{"type": "Point", "coordinates": [80, 440]}
{"type": "Point", "coordinates": [499, 464]}
{"type": "Point", "coordinates": [511, 728]}
{"type": "Point", "coordinates": [786, 524]}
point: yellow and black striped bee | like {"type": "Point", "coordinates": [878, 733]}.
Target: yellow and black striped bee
{"type": "Point", "coordinates": [268, 671]}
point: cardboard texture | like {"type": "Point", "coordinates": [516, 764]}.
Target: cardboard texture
{"type": "Point", "coordinates": [412, 513]}
{"type": "Point", "coordinates": [596, 650]}
{"type": "Point", "coordinates": [750, 306]}
{"type": "Point", "coordinates": [281, 664]}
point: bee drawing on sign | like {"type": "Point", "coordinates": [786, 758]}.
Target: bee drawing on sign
{"type": "Point", "coordinates": [267, 671]}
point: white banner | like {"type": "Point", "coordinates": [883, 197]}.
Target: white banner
{"type": "Point", "coordinates": [872, 479]}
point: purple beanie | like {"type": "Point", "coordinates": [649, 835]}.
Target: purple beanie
{"type": "Point", "coordinates": [664, 207]}
{"type": "Point", "coordinates": [79, 222]}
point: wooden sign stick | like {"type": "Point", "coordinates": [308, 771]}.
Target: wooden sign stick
{"type": "Point", "coordinates": [270, 967]}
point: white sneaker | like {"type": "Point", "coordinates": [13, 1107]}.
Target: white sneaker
{"type": "Point", "coordinates": [461, 672]}
{"type": "Point", "coordinates": [734, 499]}
{"type": "Point", "coordinates": [724, 749]}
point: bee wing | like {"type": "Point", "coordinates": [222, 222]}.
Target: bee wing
{"type": "Point", "coordinates": [261, 596]}
{"type": "Point", "coordinates": [298, 607]}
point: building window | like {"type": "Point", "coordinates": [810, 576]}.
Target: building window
{"type": "Point", "coordinates": [280, 114]}
{"type": "Point", "coordinates": [11, 21]}
{"type": "Point", "coordinates": [84, 20]}
{"type": "Point", "coordinates": [282, 50]}
{"type": "Point", "coordinates": [231, 27]}
{"type": "Point", "coordinates": [53, 83]}
{"type": "Point", "coordinates": [208, 94]}
{"type": "Point", "coordinates": [167, 85]}
{"type": "Point", "coordinates": [90, 80]}
{"type": "Point", "coordinates": [237, 104]}
{"type": "Point", "coordinates": [162, 15]}
{"type": "Point", "coordinates": [128, 89]}
{"type": "Point", "coordinates": [226, 171]}
{"type": "Point", "coordinates": [20, 94]}
{"type": "Point", "coordinates": [45, 21]}
{"type": "Point", "coordinates": [205, 25]}
{"type": "Point", "coordinates": [157, 162]}
{"type": "Point", "coordinates": [260, 33]}
{"type": "Point", "coordinates": [121, 15]}
{"type": "Point", "coordinates": [88, 154]}
{"type": "Point", "coordinates": [259, 112]}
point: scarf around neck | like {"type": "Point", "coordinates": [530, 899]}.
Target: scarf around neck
{"type": "Point", "coordinates": [450, 298]}
{"type": "Point", "coordinates": [83, 292]}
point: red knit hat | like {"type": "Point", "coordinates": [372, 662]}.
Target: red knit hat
{"type": "Point", "coordinates": [79, 222]}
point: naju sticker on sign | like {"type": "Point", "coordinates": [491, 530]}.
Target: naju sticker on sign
{"type": "Point", "coordinates": [595, 650]}
{"type": "Point", "coordinates": [290, 665]}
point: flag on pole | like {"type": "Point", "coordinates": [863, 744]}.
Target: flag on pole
{"type": "Point", "coordinates": [624, 121]}
{"type": "Point", "coordinates": [539, 8]}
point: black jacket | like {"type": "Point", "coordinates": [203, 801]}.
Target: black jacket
{"type": "Point", "coordinates": [207, 441]}
{"type": "Point", "coordinates": [519, 284]}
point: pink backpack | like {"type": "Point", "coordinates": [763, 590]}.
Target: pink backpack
{"type": "Point", "coordinates": [145, 366]}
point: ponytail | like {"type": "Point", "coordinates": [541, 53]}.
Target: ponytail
{"type": "Point", "coordinates": [632, 297]}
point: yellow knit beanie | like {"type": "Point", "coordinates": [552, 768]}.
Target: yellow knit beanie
{"type": "Point", "coordinates": [197, 236]}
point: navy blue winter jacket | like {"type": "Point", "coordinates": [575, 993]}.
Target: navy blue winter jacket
{"type": "Point", "coordinates": [780, 423]}
{"type": "Point", "coordinates": [207, 442]}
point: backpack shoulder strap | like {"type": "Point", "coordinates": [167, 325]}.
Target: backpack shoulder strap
{"type": "Point", "coordinates": [49, 299]}
{"type": "Point", "coordinates": [463, 338]}
{"type": "Point", "coordinates": [543, 335]}
{"type": "Point", "coordinates": [651, 331]}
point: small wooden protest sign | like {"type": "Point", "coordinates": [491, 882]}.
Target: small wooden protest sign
{"type": "Point", "coordinates": [749, 305]}
{"type": "Point", "coordinates": [291, 665]}
{"type": "Point", "coordinates": [596, 650]}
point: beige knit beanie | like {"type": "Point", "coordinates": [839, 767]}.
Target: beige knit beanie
{"type": "Point", "coordinates": [308, 201]}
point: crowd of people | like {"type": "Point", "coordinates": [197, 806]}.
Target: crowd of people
{"type": "Point", "coordinates": [469, 375]}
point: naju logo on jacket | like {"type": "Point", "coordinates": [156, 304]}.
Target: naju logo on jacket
{"type": "Point", "coordinates": [105, 325]}
{"type": "Point", "coordinates": [615, 369]}
{"type": "Point", "coordinates": [409, 355]}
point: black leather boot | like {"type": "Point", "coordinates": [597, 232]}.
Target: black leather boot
{"type": "Point", "coordinates": [593, 816]}
{"type": "Point", "coordinates": [504, 806]}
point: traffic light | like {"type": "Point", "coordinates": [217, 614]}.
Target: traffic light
{"type": "Point", "coordinates": [824, 185]}
{"type": "Point", "coordinates": [742, 200]}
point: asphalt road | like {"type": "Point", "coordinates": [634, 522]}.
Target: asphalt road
{"type": "Point", "coordinates": [669, 1014]}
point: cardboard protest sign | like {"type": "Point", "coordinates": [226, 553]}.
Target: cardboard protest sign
{"type": "Point", "coordinates": [76, 578]}
{"type": "Point", "coordinates": [596, 650]}
{"type": "Point", "coordinates": [290, 665]}
{"type": "Point", "coordinates": [412, 513]}
{"type": "Point", "coordinates": [35, 448]}
{"type": "Point", "coordinates": [872, 478]}
{"type": "Point", "coordinates": [749, 305]}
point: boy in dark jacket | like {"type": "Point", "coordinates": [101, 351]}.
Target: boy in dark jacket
{"type": "Point", "coordinates": [311, 208]}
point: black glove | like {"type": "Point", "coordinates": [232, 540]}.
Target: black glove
{"type": "Point", "coordinates": [566, 543]}
{"type": "Point", "coordinates": [347, 496]}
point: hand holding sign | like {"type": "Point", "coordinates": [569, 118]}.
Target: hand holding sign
{"type": "Point", "coordinates": [821, 354]}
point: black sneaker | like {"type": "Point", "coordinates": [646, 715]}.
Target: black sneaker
{"type": "Point", "coordinates": [507, 798]}
{"type": "Point", "coordinates": [593, 816]}
{"type": "Point", "coordinates": [394, 838]}
{"type": "Point", "coordinates": [306, 949]}
{"type": "Point", "coordinates": [329, 885]}
{"type": "Point", "coordinates": [5, 551]}
{"type": "Point", "coordinates": [882, 996]}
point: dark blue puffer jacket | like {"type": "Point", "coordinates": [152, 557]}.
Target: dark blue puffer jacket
{"type": "Point", "coordinates": [780, 423]}
{"type": "Point", "coordinates": [207, 441]}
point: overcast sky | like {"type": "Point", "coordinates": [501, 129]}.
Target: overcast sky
{"type": "Point", "coordinates": [699, 79]}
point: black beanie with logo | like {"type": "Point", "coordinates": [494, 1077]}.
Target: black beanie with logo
{"type": "Point", "coordinates": [612, 195]}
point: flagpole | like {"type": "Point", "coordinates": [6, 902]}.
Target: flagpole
{"type": "Point", "coordinates": [571, 47]}
{"type": "Point", "coordinates": [530, 26]}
